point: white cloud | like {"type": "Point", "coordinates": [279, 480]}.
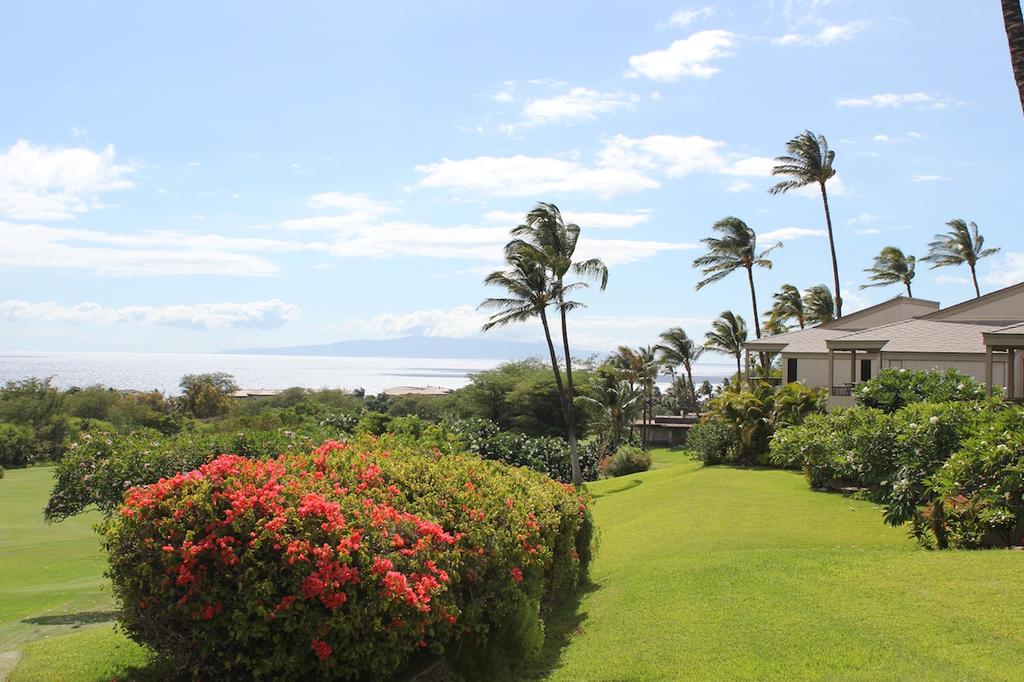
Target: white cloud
{"type": "Point", "coordinates": [459, 322]}
{"type": "Point", "coordinates": [686, 16]}
{"type": "Point", "coordinates": [39, 182]}
{"type": "Point", "coordinates": [949, 279]}
{"type": "Point", "coordinates": [675, 155]}
{"type": "Point", "coordinates": [790, 233]}
{"type": "Point", "coordinates": [585, 219]}
{"type": "Point", "coordinates": [507, 93]}
{"type": "Point", "coordinates": [1007, 269]}
{"type": "Point", "coordinates": [862, 218]}
{"type": "Point", "coordinates": [829, 34]}
{"type": "Point", "coordinates": [349, 202]}
{"type": "Point", "coordinates": [151, 253]}
{"type": "Point", "coordinates": [520, 175]}
{"type": "Point", "coordinates": [920, 177]}
{"type": "Point", "coordinates": [889, 139]}
{"type": "Point", "coordinates": [868, 231]}
{"type": "Point", "coordinates": [688, 57]}
{"type": "Point", "coordinates": [895, 101]}
{"type": "Point", "coordinates": [657, 96]}
{"type": "Point", "coordinates": [739, 186]}
{"type": "Point", "coordinates": [882, 138]}
{"type": "Point", "coordinates": [751, 166]}
{"type": "Point", "coordinates": [578, 104]}
{"type": "Point", "coordinates": [201, 316]}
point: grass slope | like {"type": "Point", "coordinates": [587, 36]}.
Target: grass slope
{"type": "Point", "coordinates": [712, 573]}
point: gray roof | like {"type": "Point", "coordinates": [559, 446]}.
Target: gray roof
{"type": "Point", "coordinates": [811, 340]}
{"type": "Point", "coordinates": [1012, 329]}
{"type": "Point", "coordinates": [925, 336]}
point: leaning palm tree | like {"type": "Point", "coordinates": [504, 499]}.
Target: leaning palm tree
{"type": "Point", "coordinates": [773, 326]}
{"type": "Point", "coordinates": [810, 162]}
{"type": "Point", "coordinates": [819, 305]}
{"type": "Point", "coordinates": [962, 244]}
{"type": "Point", "coordinates": [727, 336]}
{"type": "Point", "coordinates": [677, 349]}
{"type": "Point", "coordinates": [1014, 24]}
{"type": "Point", "coordinates": [891, 267]}
{"type": "Point", "coordinates": [735, 249]}
{"type": "Point", "coordinates": [548, 240]}
{"type": "Point", "coordinates": [789, 305]}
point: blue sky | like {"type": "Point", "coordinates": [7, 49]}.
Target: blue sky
{"type": "Point", "coordinates": [197, 176]}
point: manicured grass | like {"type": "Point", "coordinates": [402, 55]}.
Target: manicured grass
{"type": "Point", "coordinates": [713, 573]}
{"type": "Point", "coordinates": [51, 575]}
{"type": "Point", "coordinates": [720, 573]}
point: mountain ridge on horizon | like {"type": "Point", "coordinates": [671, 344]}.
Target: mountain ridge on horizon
{"type": "Point", "coordinates": [441, 347]}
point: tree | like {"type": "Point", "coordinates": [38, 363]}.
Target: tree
{"type": "Point", "coordinates": [639, 367]}
{"type": "Point", "coordinates": [548, 244]}
{"type": "Point", "coordinates": [727, 336]}
{"type": "Point", "coordinates": [891, 267]}
{"type": "Point", "coordinates": [774, 326]}
{"type": "Point", "coordinates": [735, 249]}
{"type": "Point", "coordinates": [617, 402]}
{"type": "Point", "coordinates": [810, 162]}
{"type": "Point", "coordinates": [819, 305]}
{"type": "Point", "coordinates": [1014, 24]}
{"type": "Point", "coordinates": [962, 244]}
{"type": "Point", "coordinates": [789, 305]}
{"type": "Point", "coordinates": [677, 349]}
{"type": "Point", "coordinates": [206, 395]}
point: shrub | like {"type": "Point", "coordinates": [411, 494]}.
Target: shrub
{"type": "Point", "coordinates": [99, 468]}
{"type": "Point", "coordinates": [547, 455]}
{"type": "Point", "coordinates": [981, 487]}
{"type": "Point", "coordinates": [794, 402]}
{"type": "Point", "coordinates": [710, 441]}
{"type": "Point", "coordinates": [747, 415]}
{"type": "Point", "coordinates": [345, 562]}
{"type": "Point", "coordinates": [896, 388]}
{"type": "Point", "coordinates": [17, 445]}
{"type": "Point", "coordinates": [374, 423]}
{"type": "Point", "coordinates": [625, 460]}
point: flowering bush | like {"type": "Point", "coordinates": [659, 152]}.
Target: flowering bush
{"type": "Point", "coordinates": [344, 562]}
{"type": "Point", "coordinates": [896, 388]}
{"type": "Point", "coordinates": [626, 460]}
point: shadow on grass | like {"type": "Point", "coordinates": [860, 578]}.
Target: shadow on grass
{"type": "Point", "coordinates": [626, 485]}
{"type": "Point", "coordinates": [562, 624]}
{"type": "Point", "coordinates": [80, 618]}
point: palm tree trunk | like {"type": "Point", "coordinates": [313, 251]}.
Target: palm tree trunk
{"type": "Point", "coordinates": [739, 371]}
{"type": "Point", "coordinates": [832, 248]}
{"type": "Point", "coordinates": [909, 293]}
{"type": "Point", "coordinates": [693, 389]}
{"type": "Point", "coordinates": [567, 413]}
{"type": "Point", "coordinates": [974, 278]}
{"type": "Point", "coordinates": [1014, 23]}
{"type": "Point", "coordinates": [753, 301]}
{"type": "Point", "coordinates": [570, 419]}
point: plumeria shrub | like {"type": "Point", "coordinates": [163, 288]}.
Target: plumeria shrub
{"type": "Point", "coordinates": [893, 389]}
{"type": "Point", "coordinates": [346, 562]}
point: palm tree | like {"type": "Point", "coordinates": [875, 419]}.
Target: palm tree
{"type": "Point", "coordinates": [789, 305]}
{"type": "Point", "coordinates": [639, 367]}
{"type": "Point", "coordinates": [617, 402]}
{"type": "Point", "coordinates": [809, 162]}
{"type": "Point", "coordinates": [677, 349]}
{"type": "Point", "coordinates": [962, 244]}
{"type": "Point", "coordinates": [818, 305]}
{"type": "Point", "coordinates": [1014, 24]}
{"type": "Point", "coordinates": [735, 249]}
{"type": "Point", "coordinates": [774, 326]}
{"type": "Point", "coordinates": [891, 267]}
{"type": "Point", "coordinates": [727, 336]}
{"type": "Point", "coordinates": [548, 240]}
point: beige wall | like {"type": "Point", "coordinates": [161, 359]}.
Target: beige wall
{"type": "Point", "coordinates": [901, 309]}
{"type": "Point", "coordinates": [1002, 307]}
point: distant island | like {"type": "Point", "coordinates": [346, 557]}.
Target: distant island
{"type": "Point", "coordinates": [417, 347]}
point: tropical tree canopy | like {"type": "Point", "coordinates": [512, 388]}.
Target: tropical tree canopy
{"type": "Point", "coordinates": [963, 244]}
{"type": "Point", "coordinates": [808, 162]}
{"type": "Point", "coordinates": [819, 305]}
{"type": "Point", "coordinates": [891, 267]}
{"type": "Point", "coordinates": [728, 334]}
{"type": "Point", "coordinates": [789, 305]}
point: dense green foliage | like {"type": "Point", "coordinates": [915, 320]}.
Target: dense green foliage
{"type": "Point", "coordinates": [896, 388]}
{"type": "Point", "coordinates": [345, 562]}
{"type": "Point", "coordinates": [17, 445]}
{"type": "Point", "coordinates": [624, 461]}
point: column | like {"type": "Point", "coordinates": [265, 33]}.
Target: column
{"type": "Point", "coordinates": [988, 370]}
{"type": "Point", "coordinates": [831, 370]}
{"type": "Point", "coordinates": [1011, 388]}
{"type": "Point", "coordinates": [853, 367]}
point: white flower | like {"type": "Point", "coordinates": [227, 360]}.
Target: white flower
{"type": "Point", "coordinates": [934, 420]}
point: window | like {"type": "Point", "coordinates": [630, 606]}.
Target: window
{"type": "Point", "coordinates": [865, 370]}
{"type": "Point", "coordinates": [790, 370]}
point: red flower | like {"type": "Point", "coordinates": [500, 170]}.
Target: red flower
{"type": "Point", "coordinates": [517, 575]}
{"type": "Point", "coordinates": [321, 648]}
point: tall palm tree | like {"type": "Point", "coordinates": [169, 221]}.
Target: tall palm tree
{"type": "Point", "coordinates": [789, 305]}
{"type": "Point", "coordinates": [962, 244]}
{"type": "Point", "coordinates": [819, 305]}
{"type": "Point", "coordinates": [639, 367]}
{"type": "Point", "coordinates": [735, 249]}
{"type": "Point", "coordinates": [546, 238]}
{"type": "Point", "coordinates": [677, 349]}
{"type": "Point", "coordinates": [810, 162]}
{"type": "Point", "coordinates": [891, 267]}
{"type": "Point", "coordinates": [727, 336]}
{"type": "Point", "coordinates": [617, 403]}
{"type": "Point", "coordinates": [1014, 24]}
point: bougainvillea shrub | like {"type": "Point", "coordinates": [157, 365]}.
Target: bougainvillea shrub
{"type": "Point", "coordinates": [342, 563]}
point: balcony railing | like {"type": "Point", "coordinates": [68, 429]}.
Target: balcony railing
{"type": "Point", "coordinates": [844, 390]}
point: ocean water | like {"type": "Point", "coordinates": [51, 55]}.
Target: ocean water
{"type": "Point", "coordinates": [163, 371]}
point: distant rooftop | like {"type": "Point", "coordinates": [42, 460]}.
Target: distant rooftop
{"type": "Point", "coordinates": [396, 391]}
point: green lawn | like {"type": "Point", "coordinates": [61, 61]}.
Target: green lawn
{"type": "Point", "coordinates": [700, 574]}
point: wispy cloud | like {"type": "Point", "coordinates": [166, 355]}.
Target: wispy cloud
{"type": "Point", "coordinates": [199, 316]}
{"type": "Point", "coordinates": [832, 33]}
{"type": "Point", "coordinates": [585, 219]}
{"type": "Point", "coordinates": [40, 182]}
{"type": "Point", "coordinates": [1006, 270]}
{"type": "Point", "coordinates": [577, 104]}
{"type": "Point", "coordinates": [896, 101]}
{"type": "Point", "coordinates": [921, 177]}
{"type": "Point", "coordinates": [684, 17]}
{"type": "Point", "coordinates": [691, 57]}
{"type": "Point", "coordinates": [789, 233]}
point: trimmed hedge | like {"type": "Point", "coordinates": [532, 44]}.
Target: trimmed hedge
{"type": "Point", "coordinates": [345, 562]}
